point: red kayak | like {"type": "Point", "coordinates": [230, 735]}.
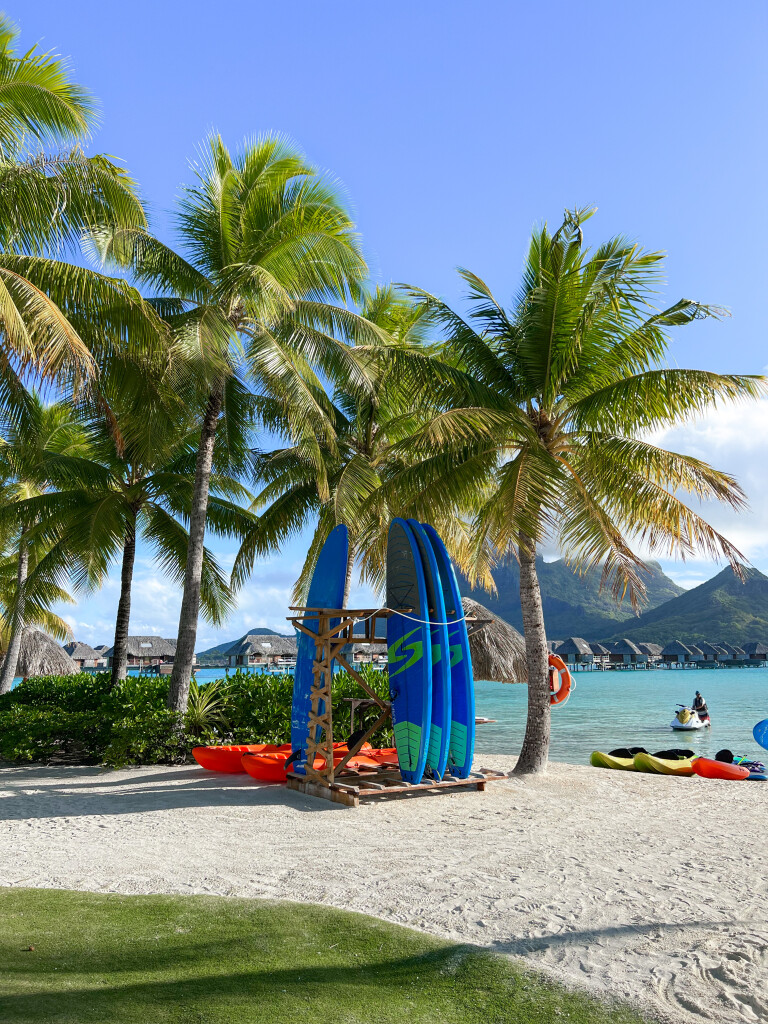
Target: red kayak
{"type": "Point", "coordinates": [709, 769]}
{"type": "Point", "coordinates": [230, 759]}
{"type": "Point", "coordinates": [270, 766]}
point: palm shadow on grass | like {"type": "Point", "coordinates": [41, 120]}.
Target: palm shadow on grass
{"type": "Point", "coordinates": [168, 960]}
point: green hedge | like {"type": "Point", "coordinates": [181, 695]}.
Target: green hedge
{"type": "Point", "coordinates": [80, 718]}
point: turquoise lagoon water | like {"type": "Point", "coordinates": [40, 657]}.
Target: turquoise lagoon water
{"type": "Point", "coordinates": [625, 709]}
{"type": "Point", "coordinates": [632, 709]}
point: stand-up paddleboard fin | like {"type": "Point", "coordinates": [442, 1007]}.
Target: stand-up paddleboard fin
{"type": "Point", "coordinates": [356, 736]}
{"type": "Point", "coordinates": [289, 760]}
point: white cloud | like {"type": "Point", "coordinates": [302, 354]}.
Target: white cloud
{"type": "Point", "coordinates": [734, 439]}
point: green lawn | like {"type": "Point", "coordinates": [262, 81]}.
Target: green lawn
{"type": "Point", "coordinates": [207, 960]}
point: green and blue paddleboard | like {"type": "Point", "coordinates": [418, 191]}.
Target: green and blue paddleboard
{"type": "Point", "coordinates": [462, 739]}
{"type": "Point", "coordinates": [440, 725]}
{"type": "Point", "coordinates": [409, 647]}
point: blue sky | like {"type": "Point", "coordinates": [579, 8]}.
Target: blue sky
{"type": "Point", "coordinates": [455, 127]}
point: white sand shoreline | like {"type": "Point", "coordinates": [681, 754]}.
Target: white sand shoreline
{"type": "Point", "coordinates": [648, 888]}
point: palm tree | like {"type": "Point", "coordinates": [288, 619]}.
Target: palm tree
{"type": "Point", "coordinates": [266, 244]}
{"type": "Point", "coordinates": [575, 381]}
{"type": "Point", "coordinates": [136, 480]}
{"type": "Point", "coordinates": [316, 482]}
{"type": "Point", "coordinates": [47, 199]}
{"type": "Point", "coordinates": [33, 431]}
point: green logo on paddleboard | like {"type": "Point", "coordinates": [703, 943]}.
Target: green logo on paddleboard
{"type": "Point", "coordinates": [395, 655]}
{"type": "Point", "coordinates": [456, 654]}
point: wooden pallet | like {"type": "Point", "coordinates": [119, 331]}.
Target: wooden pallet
{"type": "Point", "coordinates": [353, 787]}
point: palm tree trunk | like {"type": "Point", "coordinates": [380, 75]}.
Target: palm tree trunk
{"type": "Point", "coordinates": [535, 750]}
{"type": "Point", "coordinates": [348, 578]}
{"type": "Point", "coordinates": [120, 648]}
{"type": "Point", "coordinates": [17, 622]}
{"type": "Point", "coordinates": [190, 602]}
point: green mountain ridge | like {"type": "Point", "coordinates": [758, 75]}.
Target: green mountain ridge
{"type": "Point", "coordinates": [722, 608]}
{"type": "Point", "coordinates": [573, 605]}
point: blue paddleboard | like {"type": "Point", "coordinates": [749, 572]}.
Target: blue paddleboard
{"type": "Point", "coordinates": [760, 732]}
{"type": "Point", "coordinates": [325, 591]}
{"type": "Point", "coordinates": [462, 742]}
{"type": "Point", "coordinates": [409, 651]}
{"type": "Point", "coordinates": [440, 728]}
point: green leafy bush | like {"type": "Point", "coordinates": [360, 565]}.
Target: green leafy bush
{"type": "Point", "coordinates": [80, 717]}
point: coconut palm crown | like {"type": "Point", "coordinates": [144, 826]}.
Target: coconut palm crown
{"type": "Point", "coordinates": [576, 382]}
{"type": "Point", "coordinates": [50, 193]}
{"type": "Point", "coordinates": [266, 244]}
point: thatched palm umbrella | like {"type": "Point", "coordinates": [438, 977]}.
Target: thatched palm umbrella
{"type": "Point", "coordinates": [42, 656]}
{"type": "Point", "coordinates": [498, 650]}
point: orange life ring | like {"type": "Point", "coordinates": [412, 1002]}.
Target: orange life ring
{"type": "Point", "coordinates": [557, 667]}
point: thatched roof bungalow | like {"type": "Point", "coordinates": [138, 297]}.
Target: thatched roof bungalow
{"type": "Point", "coordinates": [146, 651]}
{"type": "Point", "coordinates": [709, 651]}
{"type": "Point", "coordinates": [756, 651]}
{"type": "Point", "coordinates": [676, 653]}
{"type": "Point", "coordinates": [498, 650]}
{"type": "Point", "coordinates": [367, 654]}
{"type": "Point", "coordinates": [575, 651]}
{"type": "Point", "coordinates": [42, 656]}
{"type": "Point", "coordinates": [652, 650]}
{"type": "Point", "coordinates": [83, 655]}
{"type": "Point", "coordinates": [624, 652]}
{"type": "Point", "coordinates": [600, 654]}
{"type": "Point", "coordinates": [730, 652]}
{"type": "Point", "coordinates": [259, 649]}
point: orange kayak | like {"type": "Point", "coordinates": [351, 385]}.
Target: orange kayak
{"type": "Point", "coordinates": [384, 755]}
{"type": "Point", "coordinates": [709, 769]}
{"type": "Point", "coordinates": [229, 759]}
{"type": "Point", "coordinates": [270, 766]}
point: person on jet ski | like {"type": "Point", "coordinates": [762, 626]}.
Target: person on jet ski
{"type": "Point", "coordinates": [700, 705]}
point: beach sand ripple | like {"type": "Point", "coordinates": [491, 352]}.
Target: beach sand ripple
{"type": "Point", "coordinates": [649, 888]}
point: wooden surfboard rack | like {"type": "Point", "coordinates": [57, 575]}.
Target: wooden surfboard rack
{"type": "Point", "coordinates": [340, 783]}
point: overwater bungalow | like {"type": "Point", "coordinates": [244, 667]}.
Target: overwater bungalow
{"type": "Point", "coordinates": [268, 651]}
{"type": "Point", "coordinates": [730, 653]}
{"type": "Point", "coordinates": [601, 656]}
{"type": "Point", "coordinates": [677, 653]}
{"type": "Point", "coordinates": [625, 654]}
{"type": "Point", "coordinates": [697, 654]}
{"type": "Point", "coordinates": [709, 652]}
{"type": "Point", "coordinates": [575, 651]}
{"type": "Point", "coordinates": [756, 652]}
{"type": "Point", "coordinates": [369, 654]}
{"type": "Point", "coordinates": [154, 652]}
{"type": "Point", "coordinates": [85, 656]}
{"type": "Point", "coordinates": [652, 650]}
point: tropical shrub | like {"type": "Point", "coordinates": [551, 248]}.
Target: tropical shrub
{"type": "Point", "coordinates": [81, 718]}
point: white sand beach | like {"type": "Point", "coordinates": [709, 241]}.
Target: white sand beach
{"type": "Point", "coordinates": [652, 889]}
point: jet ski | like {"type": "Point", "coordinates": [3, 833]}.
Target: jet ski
{"type": "Point", "coordinates": [687, 719]}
